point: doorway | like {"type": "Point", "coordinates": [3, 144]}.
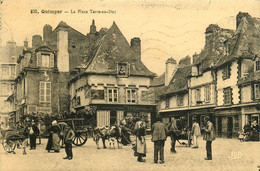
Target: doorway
{"type": "Point", "coordinates": [113, 117]}
{"type": "Point", "coordinates": [229, 127]}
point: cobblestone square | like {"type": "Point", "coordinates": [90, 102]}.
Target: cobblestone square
{"type": "Point", "coordinates": [228, 154]}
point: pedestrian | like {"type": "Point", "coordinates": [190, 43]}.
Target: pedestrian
{"type": "Point", "coordinates": [254, 128]}
{"type": "Point", "coordinates": [68, 136]}
{"type": "Point", "coordinates": [25, 141]}
{"type": "Point", "coordinates": [174, 132]}
{"type": "Point", "coordinates": [209, 136]}
{"type": "Point", "coordinates": [53, 140]}
{"type": "Point", "coordinates": [159, 135]}
{"type": "Point", "coordinates": [140, 149]}
{"type": "Point", "coordinates": [33, 132]}
{"type": "Point", "coordinates": [195, 131]}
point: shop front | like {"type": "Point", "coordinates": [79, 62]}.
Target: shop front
{"type": "Point", "coordinates": [109, 114]}
{"type": "Point", "coordinates": [228, 122]}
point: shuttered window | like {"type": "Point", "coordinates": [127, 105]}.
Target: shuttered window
{"type": "Point", "coordinates": [45, 60]}
{"type": "Point", "coordinates": [207, 93]}
{"type": "Point", "coordinates": [257, 65]}
{"type": "Point", "coordinates": [45, 92]}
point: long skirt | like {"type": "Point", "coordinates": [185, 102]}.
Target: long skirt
{"type": "Point", "coordinates": [49, 144]}
{"type": "Point", "coordinates": [140, 149]}
{"type": "Point", "coordinates": [55, 141]}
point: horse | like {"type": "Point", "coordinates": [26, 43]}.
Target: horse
{"type": "Point", "coordinates": [118, 132]}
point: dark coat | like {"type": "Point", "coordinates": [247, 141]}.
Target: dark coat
{"type": "Point", "coordinates": [209, 134]}
{"type": "Point", "coordinates": [159, 131]}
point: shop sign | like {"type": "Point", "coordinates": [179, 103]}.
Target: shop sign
{"type": "Point", "coordinates": [249, 109]}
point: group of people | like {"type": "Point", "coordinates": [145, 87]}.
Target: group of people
{"type": "Point", "coordinates": [54, 139]}
{"type": "Point", "coordinates": [252, 132]}
{"type": "Point", "coordinates": [160, 131]}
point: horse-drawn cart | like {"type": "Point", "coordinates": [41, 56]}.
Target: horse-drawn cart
{"type": "Point", "coordinates": [10, 139]}
{"type": "Point", "coordinates": [81, 128]}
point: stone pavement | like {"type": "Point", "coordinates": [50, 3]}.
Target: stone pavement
{"type": "Point", "coordinates": [228, 154]}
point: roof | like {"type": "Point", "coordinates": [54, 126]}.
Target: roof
{"type": "Point", "coordinates": [245, 42]}
{"type": "Point", "coordinates": [158, 81]}
{"type": "Point", "coordinates": [213, 49]}
{"type": "Point", "coordinates": [111, 49]}
{"type": "Point", "coordinates": [179, 81]}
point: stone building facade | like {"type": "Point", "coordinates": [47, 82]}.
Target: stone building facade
{"type": "Point", "coordinates": [223, 80]}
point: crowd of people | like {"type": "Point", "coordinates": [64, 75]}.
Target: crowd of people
{"type": "Point", "coordinates": [160, 131]}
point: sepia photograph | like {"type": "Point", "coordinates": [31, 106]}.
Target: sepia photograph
{"type": "Point", "coordinates": [114, 85]}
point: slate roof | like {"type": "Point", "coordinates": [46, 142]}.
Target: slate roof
{"type": "Point", "coordinates": [111, 49]}
{"type": "Point", "coordinates": [179, 82]}
{"type": "Point", "coordinates": [213, 49]}
{"type": "Point", "coordinates": [246, 41]}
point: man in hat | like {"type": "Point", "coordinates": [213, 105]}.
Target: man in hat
{"type": "Point", "coordinates": [33, 132]}
{"type": "Point", "coordinates": [209, 136]}
{"type": "Point", "coordinates": [174, 133]}
{"type": "Point", "coordinates": [159, 135]}
{"type": "Point", "coordinates": [69, 135]}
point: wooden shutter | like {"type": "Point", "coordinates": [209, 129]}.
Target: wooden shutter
{"type": "Point", "coordinates": [51, 60]}
{"type": "Point", "coordinates": [39, 59]}
{"type": "Point", "coordinates": [224, 73]}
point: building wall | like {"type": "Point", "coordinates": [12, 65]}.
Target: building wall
{"type": "Point", "coordinates": [104, 82]}
{"type": "Point", "coordinates": [246, 94]}
{"type": "Point", "coordinates": [206, 78]}
{"type": "Point", "coordinates": [230, 82]}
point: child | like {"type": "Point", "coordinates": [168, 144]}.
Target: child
{"type": "Point", "coordinates": [69, 135]}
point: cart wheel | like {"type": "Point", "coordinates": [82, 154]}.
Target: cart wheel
{"type": "Point", "coordinates": [80, 138]}
{"type": "Point", "coordinates": [9, 146]}
{"type": "Point", "coordinates": [62, 126]}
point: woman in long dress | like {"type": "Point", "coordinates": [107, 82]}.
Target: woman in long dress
{"type": "Point", "coordinates": [53, 141]}
{"type": "Point", "coordinates": [140, 150]}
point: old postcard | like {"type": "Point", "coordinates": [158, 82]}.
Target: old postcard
{"type": "Point", "coordinates": [129, 85]}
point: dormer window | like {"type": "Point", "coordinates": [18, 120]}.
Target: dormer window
{"type": "Point", "coordinates": [122, 69]}
{"type": "Point", "coordinates": [45, 60]}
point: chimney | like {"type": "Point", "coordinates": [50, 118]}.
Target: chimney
{"type": "Point", "coordinates": [171, 66]}
{"type": "Point", "coordinates": [47, 30]}
{"type": "Point", "coordinates": [239, 17]}
{"type": "Point", "coordinates": [25, 44]}
{"type": "Point", "coordinates": [93, 27]}
{"type": "Point", "coordinates": [211, 30]}
{"type": "Point", "coordinates": [63, 53]}
{"type": "Point", "coordinates": [36, 41]}
{"type": "Point", "coordinates": [136, 46]}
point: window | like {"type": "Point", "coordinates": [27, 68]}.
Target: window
{"type": "Point", "coordinates": [112, 95]}
{"type": "Point", "coordinates": [113, 117]}
{"type": "Point", "coordinates": [227, 49]}
{"type": "Point", "coordinates": [167, 102]}
{"type": "Point", "coordinates": [180, 98]}
{"type": "Point", "coordinates": [257, 65]}
{"type": "Point", "coordinates": [12, 71]}
{"type": "Point", "coordinates": [257, 91]}
{"type": "Point", "coordinates": [78, 101]}
{"type": "Point", "coordinates": [227, 96]}
{"type": "Point", "coordinates": [226, 72]}
{"type": "Point", "coordinates": [45, 91]}
{"type": "Point", "coordinates": [207, 93]}
{"type": "Point", "coordinates": [197, 96]}
{"type": "Point", "coordinates": [45, 60]}
{"type": "Point", "coordinates": [131, 96]}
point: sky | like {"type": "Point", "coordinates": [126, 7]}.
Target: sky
{"type": "Point", "coordinates": [166, 28]}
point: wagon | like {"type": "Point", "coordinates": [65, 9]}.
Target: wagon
{"type": "Point", "coordinates": [10, 139]}
{"type": "Point", "coordinates": [81, 127]}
